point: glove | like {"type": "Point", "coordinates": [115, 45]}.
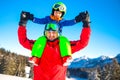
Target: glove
{"type": "Point", "coordinates": [24, 17]}
{"type": "Point", "coordinates": [80, 17]}
{"type": "Point", "coordinates": [85, 19]}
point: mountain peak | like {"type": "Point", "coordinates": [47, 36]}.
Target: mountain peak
{"type": "Point", "coordinates": [85, 62]}
{"type": "Point", "coordinates": [103, 57]}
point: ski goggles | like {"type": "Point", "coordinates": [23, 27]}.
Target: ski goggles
{"type": "Point", "coordinates": [59, 7]}
{"type": "Point", "coordinates": [51, 26]}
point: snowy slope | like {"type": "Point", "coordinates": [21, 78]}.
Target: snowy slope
{"type": "Point", "coordinates": [77, 63]}
{"type": "Point", "coordinates": [8, 77]}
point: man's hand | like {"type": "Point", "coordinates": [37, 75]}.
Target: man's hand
{"type": "Point", "coordinates": [86, 19]}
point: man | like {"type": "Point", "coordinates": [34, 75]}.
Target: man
{"type": "Point", "coordinates": [51, 65]}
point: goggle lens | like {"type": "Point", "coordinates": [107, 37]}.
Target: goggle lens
{"type": "Point", "coordinates": [59, 7]}
{"type": "Point", "coordinates": [52, 27]}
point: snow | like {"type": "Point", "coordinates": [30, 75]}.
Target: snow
{"type": "Point", "coordinates": [8, 77]}
{"type": "Point", "coordinates": [75, 78]}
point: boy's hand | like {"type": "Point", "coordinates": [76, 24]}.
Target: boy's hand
{"type": "Point", "coordinates": [82, 16]}
{"type": "Point", "coordinates": [24, 17]}
{"type": "Point", "coordinates": [27, 15]}
{"type": "Point", "coordinates": [78, 18]}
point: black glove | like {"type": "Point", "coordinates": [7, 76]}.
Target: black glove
{"type": "Point", "coordinates": [28, 15]}
{"type": "Point", "coordinates": [86, 19]}
{"type": "Point", "coordinates": [80, 17]}
{"type": "Point", "coordinates": [24, 17]}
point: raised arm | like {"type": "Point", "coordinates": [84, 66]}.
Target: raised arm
{"type": "Point", "coordinates": [84, 36]}
{"type": "Point", "coordinates": [67, 22]}
{"type": "Point", "coordinates": [41, 20]}
{"type": "Point", "coordinates": [31, 17]}
{"type": "Point", "coordinates": [22, 36]}
{"type": "Point", "coordinates": [71, 22]}
{"type": "Point", "coordinates": [83, 41]}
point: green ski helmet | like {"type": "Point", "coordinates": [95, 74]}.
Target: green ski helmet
{"type": "Point", "coordinates": [59, 6]}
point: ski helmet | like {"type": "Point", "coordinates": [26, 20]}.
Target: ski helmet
{"type": "Point", "coordinates": [59, 6]}
{"type": "Point", "coordinates": [51, 27]}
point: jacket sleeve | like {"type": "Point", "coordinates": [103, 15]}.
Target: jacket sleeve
{"type": "Point", "coordinates": [67, 22]}
{"type": "Point", "coordinates": [23, 40]}
{"type": "Point", "coordinates": [83, 42]}
{"type": "Point", "coordinates": [41, 20]}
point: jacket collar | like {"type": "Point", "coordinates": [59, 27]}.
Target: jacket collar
{"type": "Point", "coordinates": [53, 43]}
{"type": "Point", "coordinates": [55, 18]}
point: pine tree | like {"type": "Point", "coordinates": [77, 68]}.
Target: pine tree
{"type": "Point", "coordinates": [12, 64]}
{"type": "Point", "coordinates": [115, 68]}
{"type": "Point", "coordinates": [110, 71]}
{"type": "Point", "coordinates": [93, 74]}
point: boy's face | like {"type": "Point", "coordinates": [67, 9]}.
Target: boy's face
{"type": "Point", "coordinates": [57, 14]}
{"type": "Point", "coordinates": [51, 35]}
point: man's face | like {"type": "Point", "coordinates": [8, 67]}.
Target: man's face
{"type": "Point", "coordinates": [51, 35]}
{"type": "Point", "coordinates": [57, 14]}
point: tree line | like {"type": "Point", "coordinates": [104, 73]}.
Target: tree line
{"type": "Point", "coordinates": [13, 64]}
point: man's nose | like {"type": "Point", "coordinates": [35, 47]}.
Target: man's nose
{"type": "Point", "coordinates": [51, 34]}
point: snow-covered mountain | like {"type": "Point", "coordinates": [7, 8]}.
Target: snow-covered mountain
{"type": "Point", "coordinates": [118, 58]}
{"type": "Point", "coordinates": [94, 68]}
{"type": "Point", "coordinates": [85, 62]}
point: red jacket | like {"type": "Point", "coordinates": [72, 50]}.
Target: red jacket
{"type": "Point", "coordinates": [51, 67]}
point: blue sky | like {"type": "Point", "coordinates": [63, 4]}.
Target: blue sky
{"type": "Point", "coordinates": [104, 15]}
